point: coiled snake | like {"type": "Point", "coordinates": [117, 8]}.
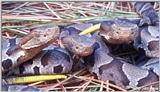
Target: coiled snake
{"type": "Point", "coordinates": [103, 64]}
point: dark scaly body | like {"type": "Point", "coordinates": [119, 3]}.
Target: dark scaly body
{"type": "Point", "coordinates": [149, 40]}
{"type": "Point", "coordinates": [146, 12]}
{"type": "Point", "coordinates": [106, 67]}
{"type": "Point", "coordinates": [77, 44]}
{"type": "Point", "coordinates": [119, 31]}
{"type": "Point", "coordinates": [50, 61]}
{"type": "Point", "coordinates": [29, 46]}
{"type": "Point", "coordinates": [152, 64]}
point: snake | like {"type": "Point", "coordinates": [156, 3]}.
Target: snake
{"type": "Point", "coordinates": [51, 61]}
{"type": "Point", "coordinates": [147, 13]}
{"type": "Point", "coordinates": [104, 65]}
{"type": "Point", "coordinates": [61, 61]}
{"type": "Point", "coordinates": [80, 45]}
{"type": "Point", "coordinates": [29, 46]}
{"type": "Point", "coordinates": [107, 67]}
{"type": "Point", "coordinates": [119, 31]}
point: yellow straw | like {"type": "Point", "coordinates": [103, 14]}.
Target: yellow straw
{"type": "Point", "coordinates": [30, 79]}
{"type": "Point", "coordinates": [90, 29]}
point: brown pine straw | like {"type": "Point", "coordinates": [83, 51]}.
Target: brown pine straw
{"type": "Point", "coordinates": [53, 86]}
{"type": "Point", "coordinates": [43, 85]}
{"type": "Point", "coordinates": [93, 82]}
{"type": "Point", "coordinates": [87, 84]}
{"type": "Point", "coordinates": [36, 83]}
{"type": "Point", "coordinates": [18, 7]}
{"type": "Point", "coordinates": [129, 7]}
{"type": "Point", "coordinates": [54, 13]}
{"type": "Point", "coordinates": [99, 81]}
{"type": "Point", "coordinates": [107, 85]}
{"type": "Point", "coordinates": [8, 36]}
{"type": "Point", "coordinates": [154, 83]}
{"type": "Point", "coordinates": [72, 87]}
{"type": "Point", "coordinates": [35, 18]}
{"type": "Point", "coordinates": [61, 86]}
{"type": "Point", "coordinates": [101, 88]}
{"type": "Point", "coordinates": [84, 85]}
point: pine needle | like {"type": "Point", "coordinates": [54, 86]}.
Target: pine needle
{"type": "Point", "coordinates": [30, 79]}
{"type": "Point", "coordinates": [90, 29]}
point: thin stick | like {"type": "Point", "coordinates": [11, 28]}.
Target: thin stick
{"type": "Point", "coordinates": [146, 85]}
{"type": "Point", "coordinates": [74, 87]}
{"type": "Point", "coordinates": [107, 85]}
{"type": "Point", "coordinates": [81, 86]}
{"type": "Point", "coordinates": [18, 7]}
{"type": "Point", "coordinates": [87, 84]}
{"type": "Point", "coordinates": [36, 83]}
{"type": "Point", "coordinates": [54, 13]}
{"type": "Point", "coordinates": [91, 81]}
{"type": "Point", "coordinates": [101, 88]}
{"type": "Point", "coordinates": [35, 78]}
{"type": "Point", "coordinates": [112, 85]}
{"type": "Point", "coordinates": [53, 86]}
{"type": "Point", "coordinates": [61, 85]}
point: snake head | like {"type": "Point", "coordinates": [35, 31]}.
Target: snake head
{"type": "Point", "coordinates": [79, 44]}
{"type": "Point", "coordinates": [121, 31]}
{"type": "Point", "coordinates": [29, 46]}
{"type": "Point", "coordinates": [40, 36]}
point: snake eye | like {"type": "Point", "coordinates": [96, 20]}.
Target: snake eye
{"type": "Point", "coordinates": [77, 47]}
{"type": "Point", "coordinates": [45, 35]}
{"type": "Point", "coordinates": [117, 32]}
{"type": "Point", "coordinates": [132, 32]}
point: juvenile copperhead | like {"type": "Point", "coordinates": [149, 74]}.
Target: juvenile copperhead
{"type": "Point", "coordinates": [119, 31]}
{"type": "Point", "coordinates": [51, 61]}
{"type": "Point", "coordinates": [132, 80]}
{"type": "Point", "coordinates": [77, 44]}
{"type": "Point", "coordinates": [29, 46]}
{"type": "Point", "coordinates": [79, 50]}
{"type": "Point", "coordinates": [32, 68]}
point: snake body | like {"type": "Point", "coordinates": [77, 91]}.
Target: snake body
{"type": "Point", "coordinates": [51, 61]}
{"type": "Point", "coordinates": [152, 64]}
{"type": "Point", "coordinates": [107, 67]}
{"type": "Point", "coordinates": [29, 46]}
{"type": "Point", "coordinates": [101, 62]}
{"type": "Point", "coordinates": [150, 40]}
{"type": "Point", "coordinates": [147, 13]}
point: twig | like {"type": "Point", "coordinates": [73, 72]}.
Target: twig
{"type": "Point", "coordinates": [36, 83]}
{"type": "Point", "coordinates": [101, 88]}
{"type": "Point", "coordinates": [54, 13]}
{"type": "Point", "coordinates": [107, 85]}
{"type": "Point", "coordinates": [146, 86]}
{"type": "Point", "coordinates": [18, 7]}
{"type": "Point", "coordinates": [112, 85]}
{"type": "Point", "coordinates": [91, 81]}
{"type": "Point", "coordinates": [74, 87]}
{"type": "Point", "coordinates": [81, 86]}
{"type": "Point", "coordinates": [87, 84]}
{"type": "Point", "coordinates": [53, 86]}
{"type": "Point", "coordinates": [61, 85]}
